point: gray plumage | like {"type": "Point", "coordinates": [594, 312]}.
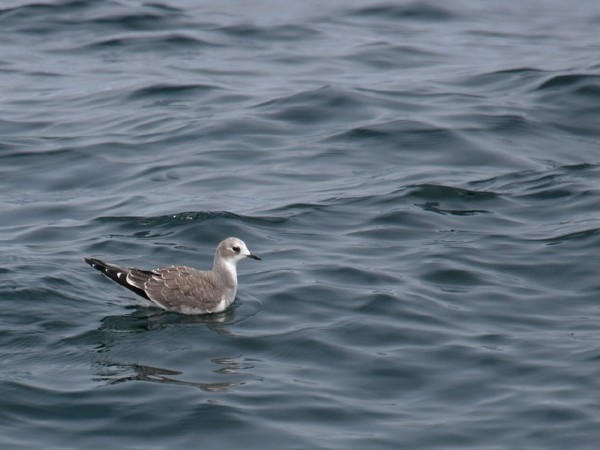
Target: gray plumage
{"type": "Point", "coordinates": [183, 289]}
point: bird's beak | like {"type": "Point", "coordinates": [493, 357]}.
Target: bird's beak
{"type": "Point", "coordinates": [250, 255]}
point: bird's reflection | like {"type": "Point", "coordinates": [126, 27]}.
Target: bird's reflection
{"type": "Point", "coordinates": [111, 371]}
{"type": "Point", "coordinates": [161, 375]}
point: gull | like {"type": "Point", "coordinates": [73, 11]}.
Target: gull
{"type": "Point", "coordinates": [183, 289]}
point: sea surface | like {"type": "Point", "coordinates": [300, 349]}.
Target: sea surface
{"type": "Point", "coordinates": [421, 179]}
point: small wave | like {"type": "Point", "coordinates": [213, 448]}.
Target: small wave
{"type": "Point", "coordinates": [35, 9]}
{"type": "Point", "coordinates": [569, 102]}
{"type": "Point", "coordinates": [397, 131]}
{"type": "Point", "coordinates": [316, 106]}
{"type": "Point", "coordinates": [583, 83]}
{"type": "Point", "coordinates": [171, 90]}
{"type": "Point", "coordinates": [386, 56]}
{"type": "Point", "coordinates": [288, 32]}
{"type": "Point", "coordinates": [546, 183]}
{"type": "Point", "coordinates": [503, 80]}
{"type": "Point", "coordinates": [188, 217]}
{"type": "Point", "coordinates": [441, 192]}
{"type": "Point", "coordinates": [410, 11]}
{"type": "Point", "coordinates": [46, 18]}
{"type": "Point", "coordinates": [581, 235]}
{"type": "Point", "coordinates": [453, 200]}
{"type": "Point", "coordinates": [150, 43]}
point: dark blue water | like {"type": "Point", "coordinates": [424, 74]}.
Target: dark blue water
{"type": "Point", "coordinates": [420, 178]}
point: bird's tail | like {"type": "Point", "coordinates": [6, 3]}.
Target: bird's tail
{"type": "Point", "coordinates": [112, 271]}
{"type": "Point", "coordinates": [115, 273]}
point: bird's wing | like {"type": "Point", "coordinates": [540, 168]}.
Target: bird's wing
{"type": "Point", "coordinates": [178, 288]}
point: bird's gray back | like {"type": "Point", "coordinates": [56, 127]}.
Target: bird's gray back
{"type": "Point", "coordinates": [180, 288]}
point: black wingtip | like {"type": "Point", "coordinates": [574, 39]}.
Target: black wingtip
{"type": "Point", "coordinates": [95, 263]}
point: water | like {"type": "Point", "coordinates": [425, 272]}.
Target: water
{"type": "Point", "coordinates": [420, 178]}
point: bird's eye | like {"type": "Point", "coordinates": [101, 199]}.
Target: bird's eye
{"type": "Point", "coordinates": [235, 249]}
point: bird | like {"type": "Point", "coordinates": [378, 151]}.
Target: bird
{"type": "Point", "coordinates": [183, 289]}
